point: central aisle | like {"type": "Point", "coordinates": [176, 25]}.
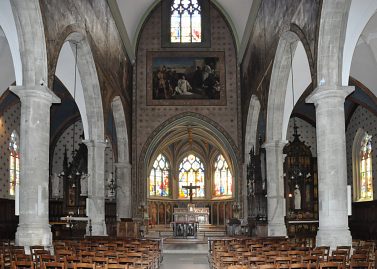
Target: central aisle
{"type": "Point", "coordinates": [185, 261]}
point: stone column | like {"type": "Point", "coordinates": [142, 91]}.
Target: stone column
{"type": "Point", "coordinates": [95, 203]}
{"type": "Point", "coordinates": [332, 165]}
{"type": "Point", "coordinates": [33, 227]}
{"type": "Point", "coordinates": [123, 199]}
{"type": "Point", "coordinates": [275, 188]}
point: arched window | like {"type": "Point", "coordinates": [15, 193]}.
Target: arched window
{"type": "Point", "coordinates": [365, 162]}
{"type": "Point", "coordinates": [14, 163]}
{"type": "Point", "coordinates": [191, 170]}
{"type": "Point", "coordinates": [185, 21]}
{"type": "Point", "coordinates": [223, 178]}
{"type": "Point", "coordinates": [159, 177]}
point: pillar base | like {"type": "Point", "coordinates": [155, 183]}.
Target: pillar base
{"type": "Point", "coordinates": [34, 235]}
{"type": "Point", "coordinates": [277, 229]}
{"type": "Point", "coordinates": [333, 237]}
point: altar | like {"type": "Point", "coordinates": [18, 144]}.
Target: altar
{"type": "Point", "coordinates": [192, 214]}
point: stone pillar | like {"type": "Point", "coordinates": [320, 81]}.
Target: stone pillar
{"type": "Point", "coordinates": [332, 165]}
{"type": "Point", "coordinates": [123, 198]}
{"type": "Point", "coordinates": [33, 227]}
{"type": "Point", "coordinates": [275, 188]}
{"type": "Point", "coordinates": [95, 203]}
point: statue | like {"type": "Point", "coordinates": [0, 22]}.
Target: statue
{"type": "Point", "coordinates": [56, 186]}
{"type": "Point", "coordinates": [84, 184]}
{"type": "Point", "coordinates": [297, 197]}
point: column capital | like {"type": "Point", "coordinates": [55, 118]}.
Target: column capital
{"type": "Point", "coordinates": [275, 144]}
{"type": "Point", "coordinates": [123, 165]}
{"type": "Point", "coordinates": [95, 143]}
{"type": "Point", "coordinates": [40, 92]}
{"type": "Point", "coordinates": [329, 92]}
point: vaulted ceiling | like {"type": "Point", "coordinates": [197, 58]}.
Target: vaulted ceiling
{"type": "Point", "coordinates": [130, 15]}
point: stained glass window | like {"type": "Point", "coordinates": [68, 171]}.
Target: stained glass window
{"type": "Point", "coordinates": [366, 185]}
{"type": "Point", "coordinates": [191, 170]}
{"type": "Point", "coordinates": [159, 177]}
{"type": "Point", "coordinates": [14, 163]}
{"type": "Point", "coordinates": [222, 178]}
{"type": "Point", "coordinates": [185, 22]}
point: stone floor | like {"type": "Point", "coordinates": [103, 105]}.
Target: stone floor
{"type": "Point", "coordinates": [185, 256]}
{"type": "Point", "coordinates": [185, 261]}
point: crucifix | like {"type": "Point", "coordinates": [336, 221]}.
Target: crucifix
{"type": "Point", "coordinates": [190, 188]}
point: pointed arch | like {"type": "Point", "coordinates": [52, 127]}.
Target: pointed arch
{"type": "Point", "coordinates": [280, 105]}
{"type": "Point", "coordinates": [89, 99]}
{"type": "Point", "coordinates": [251, 125]}
{"type": "Point", "coordinates": [121, 130]}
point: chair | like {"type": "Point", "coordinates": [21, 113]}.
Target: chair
{"type": "Point", "coordinates": [22, 265]}
{"type": "Point", "coordinates": [360, 265]}
{"type": "Point", "coordinates": [53, 265]}
{"type": "Point", "coordinates": [268, 266]}
{"type": "Point", "coordinates": [100, 261]}
{"type": "Point", "coordinates": [22, 257]}
{"type": "Point", "coordinates": [333, 265]}
{"type": "Point", "coordinates": [298, 266]}
{"type": "Point", "coordinates": [356, 257]}
{"type": "Point", "coordinates": [116, 266]}
{"type": "Point", "coordinates": [82, 265]}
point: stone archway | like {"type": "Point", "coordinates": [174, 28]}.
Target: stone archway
{"type": "Point", "coordinates": [250, 142]}
{"type": "Point", "coordinates": [279, 109]}
{"type": "Point", "coordinates": [208, 128]}
{"type": "Point", "coordinates": [123, 164]}
{"type": "Point", "coordinates": [91, 110]}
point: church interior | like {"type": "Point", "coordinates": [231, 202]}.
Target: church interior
{"type": "Point", "coordinates": [192, 133]}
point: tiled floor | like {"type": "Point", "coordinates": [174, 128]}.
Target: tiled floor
{"type": "Point", "coordinates": [185, 261]}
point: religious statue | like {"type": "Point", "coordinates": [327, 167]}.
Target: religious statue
{"type": "Point", "coordinates": [56, 186]}
{"type": "Point", "coordinates": [84, 184]}
{"type": "Point", "coordinates": [297, 197]}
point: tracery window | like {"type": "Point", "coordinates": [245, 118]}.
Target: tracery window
{"type": "Point", "coordinates": [365, 179]}
{"type": "Point", "coordinates": [159, 177]}
{"type": "Point", "coordinates": [185, 21]}
{"type": "Point", "coordinates": [191, 170]}
{"type": "Point", "coordinates": [223, 178]}
{"type": "Point", "coordinates": [14, 163]}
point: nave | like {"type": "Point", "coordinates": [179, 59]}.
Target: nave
{"type": "Point", "coordinates": [218, 253]}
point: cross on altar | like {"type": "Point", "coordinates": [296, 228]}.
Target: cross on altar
{"type": "Point", "coordinates": [190, 188]}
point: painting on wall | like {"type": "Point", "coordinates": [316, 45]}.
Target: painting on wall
{"type": "Point", "coordinates": [185, 78]}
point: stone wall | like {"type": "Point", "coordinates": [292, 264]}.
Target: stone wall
{"type": "Point", "coordinates": [148, 118]}
{"type": "Point", "coordinates": [362, 118]}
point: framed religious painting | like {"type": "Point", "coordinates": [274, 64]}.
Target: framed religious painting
{"type": "Point", "coordinates": [185, 78]}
